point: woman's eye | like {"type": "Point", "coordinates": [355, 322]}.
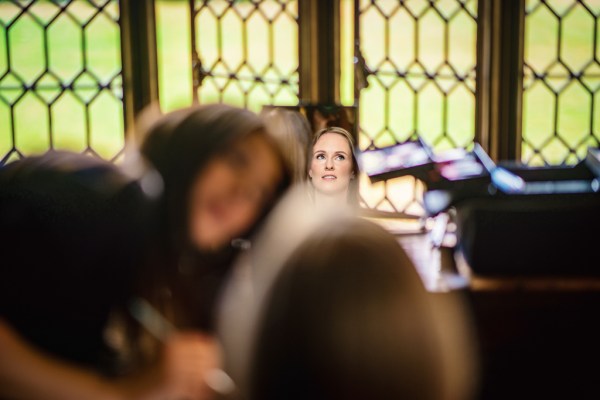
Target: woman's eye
{"type": "Point", "coordinates": [340, 157]}
{"type": "Point", "coordinates": [320, 157]}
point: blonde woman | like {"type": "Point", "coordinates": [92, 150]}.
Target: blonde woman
{"type": "Point", "coordinates": [333, 169]}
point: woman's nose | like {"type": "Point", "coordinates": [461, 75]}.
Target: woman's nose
{"type": "Point", "coordinates": [329, 164]}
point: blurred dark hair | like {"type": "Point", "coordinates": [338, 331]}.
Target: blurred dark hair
{"type": "Point", "coordinates": [73, 231]}
{"type": "Point", "coordinates": [180, 143]}
{"type": "Point", "coordinates": [349, 318]}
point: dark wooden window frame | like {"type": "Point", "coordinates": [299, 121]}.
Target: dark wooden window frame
{"type": "Point", "coordinates": [499, 64]}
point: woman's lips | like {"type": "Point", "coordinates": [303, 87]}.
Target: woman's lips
{"type": "Point", "coordinates": [329, 177]}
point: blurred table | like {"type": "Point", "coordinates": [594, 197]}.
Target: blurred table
{"type": "Point", "coordinates": [538, 335]}
{"type": "Point", "coordinates": [435, 265]}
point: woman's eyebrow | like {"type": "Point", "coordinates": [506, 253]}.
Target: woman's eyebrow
{"type": "Point", "coordinates": [340, 152]}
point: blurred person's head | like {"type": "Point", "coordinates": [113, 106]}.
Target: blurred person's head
{"type": "Point", "coordinates": [220, 169]}
{"type": "Point", "coordinates": [253, 272]}
{"type": "Point", "coordinates": [292, 132]}
{"type": "Point", "coordinates": [73, 228]}
{"type": "Point", "coordinates": [348, 318]}
{"type": "Point", "coordinates": [221, 173]}
{"type": "Point", "coordinates": [333, 169]}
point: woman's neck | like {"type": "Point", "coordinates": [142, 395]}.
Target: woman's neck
{"type": "Point", "coordinates": [331, 200]}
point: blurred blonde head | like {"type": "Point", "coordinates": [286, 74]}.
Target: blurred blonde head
{"type": "Point", "coordinates": [254, 271]}
{"type": "Point", "coordinates": [292, 132]}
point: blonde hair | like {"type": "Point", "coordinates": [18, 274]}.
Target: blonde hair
{"type": "Point", "coordinates": [291, 130]}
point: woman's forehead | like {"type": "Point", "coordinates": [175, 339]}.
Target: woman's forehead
{"type": "Point", "coordinates": [332, 140]}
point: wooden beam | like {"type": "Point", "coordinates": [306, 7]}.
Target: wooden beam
{"type": "Point", "coordinates": [500, 38]}
{"type": "Point", "coordinates": [139, 61]}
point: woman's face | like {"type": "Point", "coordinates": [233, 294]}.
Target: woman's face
{"type": "Point", "coordinates": [232, 190]}
{"type": "Point", "coordinates": [331, 166]}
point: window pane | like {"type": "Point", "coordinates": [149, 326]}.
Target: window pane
{"type": "Point", "coordinates": [561, 81]}
{"type": "Point", "coordinates": [173, 54]}
{"type": "Point", "coordinates": [422, 56]}
{"type": "Point", "coordinates": [248, 52]}
{"type": "Point", "coordinates": [60, 78]}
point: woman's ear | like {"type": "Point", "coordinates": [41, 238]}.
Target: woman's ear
{"type": "Point", "coordinates": [310, 173]}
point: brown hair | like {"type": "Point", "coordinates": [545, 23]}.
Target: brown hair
{"type": "Point", "coordinates": [179, 145]}
{"type": "Point", "coordinates": [349, 318]}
